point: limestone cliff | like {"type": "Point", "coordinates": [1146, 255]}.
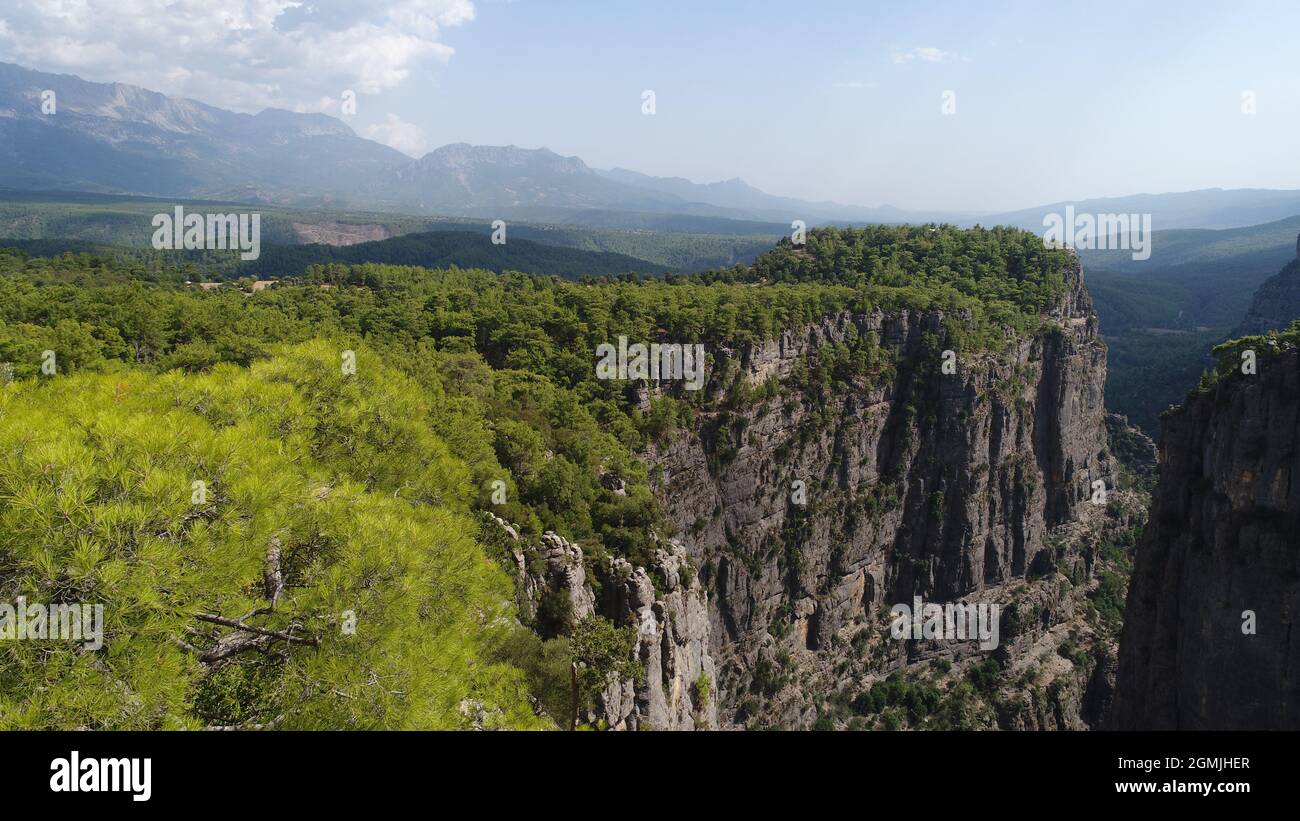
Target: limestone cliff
{"type": "Point", "coordinates": [1209, 636]}
{"type": "Point", "coordinates": [796, 521]}
{"type": "Point", "coordinates": [809, 521]}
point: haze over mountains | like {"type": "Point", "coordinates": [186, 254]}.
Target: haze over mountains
{"type": "Point", "coordinates": [112, 137]}
{"type": "Point", "coordinates": [1211, 208]}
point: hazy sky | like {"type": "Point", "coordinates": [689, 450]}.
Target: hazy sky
{"type": "Point", "coordinates": [820, 100]}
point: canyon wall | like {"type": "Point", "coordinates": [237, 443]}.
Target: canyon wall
{"type": "Point", "coordinates": [795, 520]}
{"type": "Point", "coordinates": [808, 520]}
{"type": "Point", "coordinates": [1209, 639]}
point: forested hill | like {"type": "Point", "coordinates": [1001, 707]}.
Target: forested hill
{"type": "Point", "coordinates": [440, 249]}
{"type": "Point", "coordinates": [1002, 276]}
{"type": "Point", "coordinates": [992, 264]}
{"type": "Point", "coordinates": [354, 438]}
{"type": "Point", "coordinates": [1276, 302]}
{"type": "Point", "coordinates": [433, 249]}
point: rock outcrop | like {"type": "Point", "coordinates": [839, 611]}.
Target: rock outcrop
{"type": "Point", "coordinates": [1210, 638]}
{"type": "Point", "coordinates": [672, 644]}
{"type": "Point", "coordinates": [551, 587]}
{"type": "Point", "coordinates": [554, 592]}
{"type": "Point", "coordinates": [339, 233]}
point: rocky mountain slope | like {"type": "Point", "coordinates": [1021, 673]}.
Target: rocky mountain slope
{"type": "Point", "coordinates": [117, 137]}
{"type": "Point", "coordinates": [501, 180]}
{"type": "Point", "coordinates": [1276, 303]}
{"type": "Point", "coordinates": [1209, 639]}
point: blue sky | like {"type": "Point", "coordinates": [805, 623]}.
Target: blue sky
{"type": "Point", "coordinates": [820, 100]}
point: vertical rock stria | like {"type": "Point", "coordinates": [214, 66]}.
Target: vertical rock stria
{"type": "Point", "coordinates": [917, 483]}
{"type": "Point", "coordinates": [1209, 639]}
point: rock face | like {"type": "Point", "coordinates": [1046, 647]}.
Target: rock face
{"type": "Point", "coordinates": [672, 643]}
{"type": "Point", "coordinates": [1276, 302]}
{"type": "Point", "coordinates": [1133, 448]}
{"type": "Point", "coordinates": [1223, 543]}
{"type": "Point", "coordinates": [799, 521]}
{"type": "Point", "coordinates": [551, 587]}
{"type": "Point", "coordinates": [809, 521]}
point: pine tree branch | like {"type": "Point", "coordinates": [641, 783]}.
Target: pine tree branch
{"type": "Point", "coordinates": [260, 631]}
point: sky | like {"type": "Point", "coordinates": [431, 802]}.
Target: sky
{"type": "Point", "coordinates": [955, 106]}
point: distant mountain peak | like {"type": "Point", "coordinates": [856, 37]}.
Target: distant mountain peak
{"type": "Point", "coordinates": [304, 122]}
{"type": "Point", "coordinates": [123, 138]}
{"type": "Point", "coordinates": [462, 151]}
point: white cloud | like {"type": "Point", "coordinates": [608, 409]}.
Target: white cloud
{"type": "Point", "coordinates": [239, 54]}
{"type": "Point", "coordinates": [396, 133]}
{"type": "Point", "coordinates": [926, 54]}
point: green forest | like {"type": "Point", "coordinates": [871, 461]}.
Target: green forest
{"type": "Point", "coordinates": [437, 249]}
{"type": "Point", "coordinates": [51, 223]}
{"type": "Point", "coordinates": [280, 497]}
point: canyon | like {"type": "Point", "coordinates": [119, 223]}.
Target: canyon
{"type": "Point", "coordinates": [795, 523]}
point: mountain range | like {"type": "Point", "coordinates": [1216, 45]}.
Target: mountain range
{"type": "Point", "coordinates": [112, 137]}
{"type": "Point", "coordinates": [1210, 208]}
